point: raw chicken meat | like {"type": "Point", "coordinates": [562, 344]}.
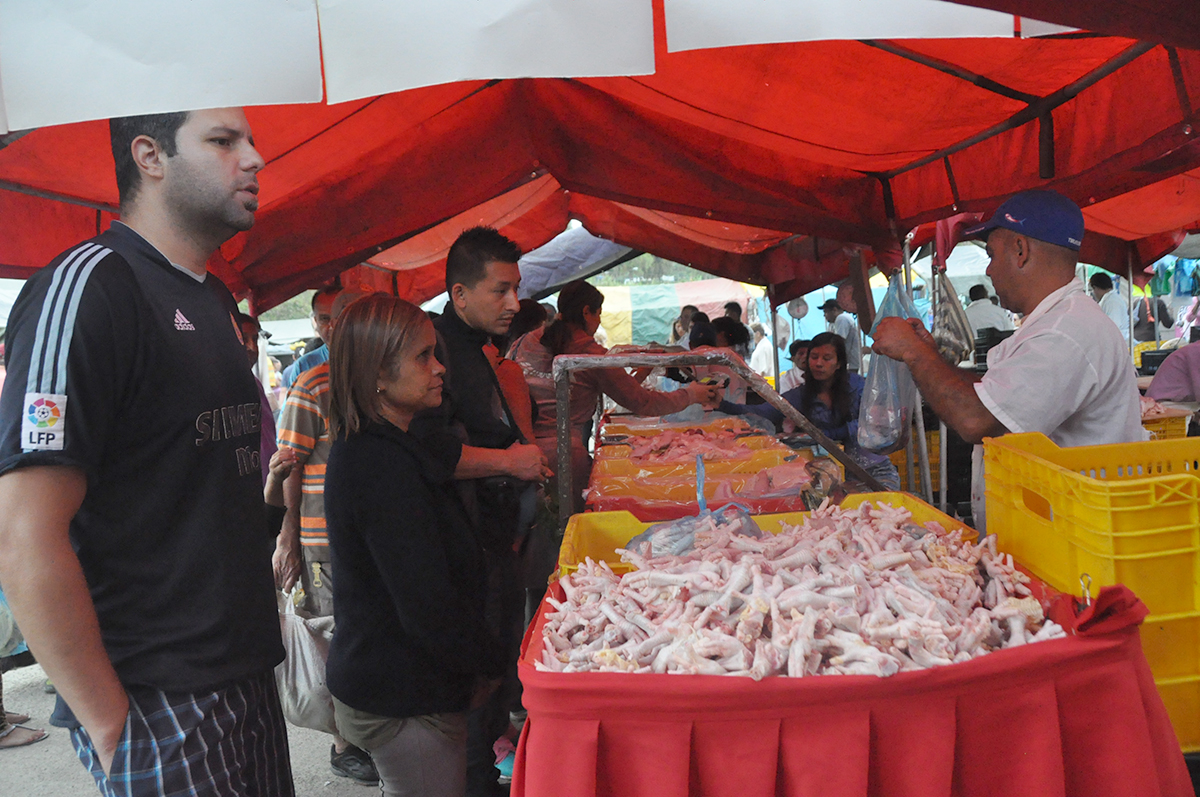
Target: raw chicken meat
{"type": "Point", "coordinates": [858, 592]}
{"type": "Point", "coordinates": [673, 446]}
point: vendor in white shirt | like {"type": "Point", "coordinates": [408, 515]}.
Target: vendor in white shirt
{"type": "Point", "coordinates": [794, 376]}
{"type": "Point", "coordinates": [1111, 302]}
{"type": "Point", "coordinates": [762, 359]}
{"type": "Point", "coordinates": [1066, 372]}
{"type": "Point", "coordinates": [983, 314]}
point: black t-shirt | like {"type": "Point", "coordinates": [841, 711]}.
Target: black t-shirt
{"type": "Point", "coordinates": [139, 378]}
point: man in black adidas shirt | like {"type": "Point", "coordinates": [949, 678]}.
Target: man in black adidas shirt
{"type": "Point", "coordinates": [133, 546]}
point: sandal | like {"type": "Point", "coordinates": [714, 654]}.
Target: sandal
{"type": "Point", "coordinates": [13, 718]}
{"type": "Point", "coordinates": [21, 736]}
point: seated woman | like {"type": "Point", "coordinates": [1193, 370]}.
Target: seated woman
{"type": "Point", "coordinates": [830, 398]}
{"type": "Point", "coordinates": [411, 652]}
{"type": "Point", "coordinates": [579, 316]}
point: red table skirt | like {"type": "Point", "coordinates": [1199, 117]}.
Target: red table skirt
{"type": "Point", "coordinates": [1076, 716]}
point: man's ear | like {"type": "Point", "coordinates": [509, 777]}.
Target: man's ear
{"type": "Point", "coordinates": [148, 156]}
{"type": "Point", "coordinates": [1024, 246]}
{"type": "Point", "coordinates": [458, 295]}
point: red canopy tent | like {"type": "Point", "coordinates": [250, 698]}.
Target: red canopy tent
{"type": "Point", "coordinates": [852, 142]}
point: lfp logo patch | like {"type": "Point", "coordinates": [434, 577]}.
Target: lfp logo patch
{"type": "Point", "coordinates": [43, 427]}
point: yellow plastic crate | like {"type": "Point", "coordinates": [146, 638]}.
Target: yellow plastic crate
{"type": "Point", "coordinates": [899, 458]}
{"type": "Point", "coordinates": [597, 535]}
{"type": "Point", "coordinates": [753, 463]}
{"type": "Point", "coordinates": [1127, 514]}
{"type": "Point", "coordinates": [1167, 427]}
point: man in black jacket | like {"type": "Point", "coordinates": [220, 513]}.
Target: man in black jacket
{"type": "Point", "coordinates": [482, 279]}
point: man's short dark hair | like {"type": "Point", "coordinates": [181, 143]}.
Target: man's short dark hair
{"type": "Point", "coordinates": [162, 127]}
{"type": "Point", "coordinates": [735, 307]}
{"type": "Point", "coordinates": [466, 264]}
{"type": "Point", "coordinates": [977, 292]}
{"type": "Point", "coordinates": [243, 318]}
{"type": "Point", "coordinates": [1101, 281]}
{"type": "Point", "coordinates": [330, 291]}
{"type": "Point", "coordinates": [796, 346]}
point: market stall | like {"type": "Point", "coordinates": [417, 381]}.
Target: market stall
{"type": "Point", "coordinates": [1018, 720]}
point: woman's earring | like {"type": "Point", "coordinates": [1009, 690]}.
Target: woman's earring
{"type": "Point", "coordinates": [378, 390]}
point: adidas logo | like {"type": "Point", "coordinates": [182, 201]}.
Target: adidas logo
{"type": "Point", "coordinates": [182, 323]}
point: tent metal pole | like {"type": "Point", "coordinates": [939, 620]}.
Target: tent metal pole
{"type": "Point", "coordinates": [774, 333]}
{"type": "Point", "coordinates": [943, 468]}
{"type": "Point", "coordinates": [1129, 262]}
{"type": "Point", "coordinates": [564, 364]}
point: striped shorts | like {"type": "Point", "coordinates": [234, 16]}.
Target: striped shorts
{"type": "Point", "coordinates": [231, 742]}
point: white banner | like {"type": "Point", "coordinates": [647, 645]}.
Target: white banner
{"type": "Point", "coordinates": [699, 24]}
{"type": "Point", "coordinates": [72, 60]}
{"type": "Point", "coordinates": [377, 46]}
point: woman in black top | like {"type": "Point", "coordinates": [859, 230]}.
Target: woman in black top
{"type": "Point", "coordinates": [410, 651]}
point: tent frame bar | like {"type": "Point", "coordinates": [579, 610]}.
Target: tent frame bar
{"type": "Point", "coordinates": [1034, 110]}
{"type": "Point", "coordinates": [17, 188]}
{"type": "Point", "coordinates": [565, 365]}
{"type": "Point", "coordinates": [987, 84]}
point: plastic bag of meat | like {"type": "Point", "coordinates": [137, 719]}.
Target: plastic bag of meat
{"type": "Point", "coordinates": [889, 396]}
{"type": "Point", "coordinates": [677, 537]}
{"type": "Point", "coordinates": [951, 328]}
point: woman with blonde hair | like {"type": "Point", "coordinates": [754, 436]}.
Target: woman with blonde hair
{"type": "Point", "coordinates": [411, 653]}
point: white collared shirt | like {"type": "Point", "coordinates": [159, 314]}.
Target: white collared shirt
{"type": "Point", "coordinates": [982, 314]}
{"type": "Point", "coordinates": [1066, 373]}
{"type": "Point", "coordinates": [1114, 306]}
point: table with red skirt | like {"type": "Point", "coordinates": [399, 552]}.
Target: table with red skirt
{"type": "Point", "coordinates": [1073, 716]}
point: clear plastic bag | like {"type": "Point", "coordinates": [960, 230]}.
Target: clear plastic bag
{"type": "Point", "coordinates": [889, 396]}
{"type": "Point", "coordinates": [300, 677]}
{"type": "Point", "coordinates": [677, 537]}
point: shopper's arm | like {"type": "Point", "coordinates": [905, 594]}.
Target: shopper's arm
{"type": "Point", "coordinates": [521, 460]}
{"type": "Point", "coordinates": [949, 390]}
{"type": "Point", "coordinates": [286, 559]}
{"type": "Point", "coordinates": [44, 584]}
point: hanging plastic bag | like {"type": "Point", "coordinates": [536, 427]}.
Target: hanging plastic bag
{"type": "Point", "coordinates": [300, 677]}
{"type": "Point", "coordinates": [951, 328]}
{"type": "Point", "coordinates": [889, 396]}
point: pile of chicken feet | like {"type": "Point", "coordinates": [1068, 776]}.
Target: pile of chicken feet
{"type": "Point", "coordinates": [857, 592]}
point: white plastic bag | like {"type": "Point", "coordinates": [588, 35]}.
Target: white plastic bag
{"type": "Point", "coordinates": [10, 636]}
{"type": "Point", "coordinates": [300, 677]}
{"type": "Point", "coordinates": [889, 395]}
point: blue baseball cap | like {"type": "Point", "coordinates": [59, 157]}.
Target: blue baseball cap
{"type": "Point", "coordinates": [1045, 215]}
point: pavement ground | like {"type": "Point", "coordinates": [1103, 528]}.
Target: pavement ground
{"type": "Point", "coordinates": [50, 768]}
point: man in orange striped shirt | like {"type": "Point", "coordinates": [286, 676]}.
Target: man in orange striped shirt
{"type": "Point", "coordinates": [302, 548]}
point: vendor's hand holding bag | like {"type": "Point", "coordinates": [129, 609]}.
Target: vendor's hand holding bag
{"type": "Point", "coordinates": [889, 396]}
{"type": "Point", "coordinates": [300, 677]}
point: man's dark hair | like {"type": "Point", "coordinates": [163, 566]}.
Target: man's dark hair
{"type": "Point", "coordinates": [734, 331]}
{"type": "Point", "coordinates": [733, 307]}
{"type": "Point", "coordinates": [796, 346]}
{"type": "Point", "coordinates": [243, 318]}
{"type": "Point", "coordinates": [1101, 280]}
{"type": "Point", "coordinates": [162, 127]}
{"type": "Point", "coordinates": [977, 292]}
{"type": "Point", "coordinates": [466, 264]}
{"type": "Point", "coordinates": [329, 290]}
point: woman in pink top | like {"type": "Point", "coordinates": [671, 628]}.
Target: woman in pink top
{"type": "Point", "coordinates": [579, 317]}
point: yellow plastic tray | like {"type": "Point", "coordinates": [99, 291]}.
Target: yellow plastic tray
{"type": "Point", "coordinates": [597, 535]}
{"type": "Point", "coordinates": [753, 462]}
{"type": "Point", "coordinates": [758, 442]}
{"type": "Point", "coordinates": [900, 460]}
{"type": "Point", "coordinates": [1167, 427]}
